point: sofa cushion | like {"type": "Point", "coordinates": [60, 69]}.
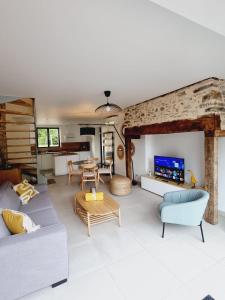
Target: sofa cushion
{"type": "Point", "coordinates": [4, 186]}
{"type": "Point", "coordinates": [18, 222]}
{"type": "Point", "coordinates": [44, 217]}
{"type": "Point", "coordinates": [25, 190]}
{"type": "Point", "coordinates": [39, 202]}
{"type": "Point", "coordinates": [9, 198]}
{"type": "Point", "coordinates": [41, 188]}
{"type": "Point", "coordinates": [3, 228]}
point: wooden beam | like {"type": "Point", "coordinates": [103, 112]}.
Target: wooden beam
{"type": "Point", "coordinates": [209, 124]}
{"type": "Point", "coordinates": [20, 138]}
{"type": "Point", "coordinates": [18, 158]}
{"type": "Point", "coordinates": [135, 137]}
{"type": "Point", "coordinates": [25, 145]}
{"type": "Point", "coordinates": [128, 157]}
{"type": "Point", "coordinates": [211, 178]}
{"type": "Point", "coordinates": [12, 112]}
{"type": "Point", "coordinates": [16, 122]}
{"type": "Point", "coordinates": [24, 163]}
{"type": "Point", "coordinates": [220, 133]}
{"type": "Point", "coordinates": [22, 102]}
{"type": "Point", "coordinates": [16, 130]}
{"type": "Point", "coordinates": [16, 152]}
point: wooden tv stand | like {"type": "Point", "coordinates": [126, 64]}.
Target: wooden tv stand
{"type": "Point", "coordinates": [160, 186]}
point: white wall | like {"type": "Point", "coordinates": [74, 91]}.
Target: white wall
{"type": "Point", "coordinates": [68, 132]}
{"type": "Point", "coordinates": [139, 158]}
{"type": "Point", "coordinates": [189, 146]}
{"type": "Point", "coordinates": [71, 133]}
{"type": "Point", "coordinates": [96, 142]}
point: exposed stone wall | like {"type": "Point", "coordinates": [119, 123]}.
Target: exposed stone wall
{"type": "Point", "coordinates": [203, 98]}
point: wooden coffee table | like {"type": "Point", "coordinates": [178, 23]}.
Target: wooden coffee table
{"type": "Point", "coordinates": [96, 212]}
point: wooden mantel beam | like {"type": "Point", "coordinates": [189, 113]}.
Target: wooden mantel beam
{"type": "Point", "coordinates": [128, 157]}
{"type": "Point", "coordinates": [209, 124]}
{"type": "Point", "coordinates": [211, 178]}
{"type": "Point", "coordinates": [220, 133]}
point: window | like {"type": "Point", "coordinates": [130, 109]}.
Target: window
{"type": "Point", "coordinates": [48, 137]}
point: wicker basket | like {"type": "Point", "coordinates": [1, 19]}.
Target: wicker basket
{"type": "Point", "coordinates": [120, 185]}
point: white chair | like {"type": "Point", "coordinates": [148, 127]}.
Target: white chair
{"type": "Point", "coordinates": [107, 170]}
{"type": "Point", "coordinates": [72, 171]}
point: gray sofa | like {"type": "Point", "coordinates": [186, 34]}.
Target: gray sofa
{"type": "Point", "coordinates": [29, 262]}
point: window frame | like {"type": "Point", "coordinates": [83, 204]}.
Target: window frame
{"type": "Point", "coordinates": [48, 137]}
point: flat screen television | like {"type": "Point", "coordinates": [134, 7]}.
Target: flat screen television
{"type": "Point", "coordinates": [169, 168]}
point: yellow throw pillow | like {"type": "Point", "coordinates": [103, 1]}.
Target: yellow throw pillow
{"type": "Point", "coordinates": [18, 222]}
{"type": "Point", "coordinates": [93, 197]}
{"type": "Point", "coordinates": [25, 190]}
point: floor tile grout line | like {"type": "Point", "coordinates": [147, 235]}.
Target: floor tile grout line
{"type": "Point", "coordinates": [207, 268]}
{"type": "Point", "coordinates": [171, 271]}
{"type": "Point", "coordinates": [118, 288]}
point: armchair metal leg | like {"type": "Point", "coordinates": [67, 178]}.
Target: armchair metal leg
{"type": "Point", "coordinates": [164, 224]}
{"type": "Point", "coordinates": [203, 240]}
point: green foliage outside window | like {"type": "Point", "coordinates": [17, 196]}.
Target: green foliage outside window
{"type": "Point", "coordinates": [48, 137]}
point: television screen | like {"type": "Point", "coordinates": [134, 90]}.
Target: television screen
{"type": "Point", "coordinates": [169, 168]}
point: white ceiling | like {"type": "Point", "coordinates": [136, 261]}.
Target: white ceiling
{"type": "Point", "coordinates": [204, 12]}
{"type": "Point", "coordinates": [66, 53]}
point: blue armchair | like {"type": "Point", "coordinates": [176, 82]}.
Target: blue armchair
{"type": "Point", "coordinates": [185, 207]}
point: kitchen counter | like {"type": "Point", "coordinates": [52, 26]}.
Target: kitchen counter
{"type": "Point", "coordinates": [65, 153]}
{"type": "Point", "coordinates": [58, 152]}
{"type": "Point", "coordinates": [61, 162]}
{"type": "Point", "coordinates": [58, 161]}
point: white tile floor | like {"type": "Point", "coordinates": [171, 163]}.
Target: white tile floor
{"type": "Point", "coordinates": [133, 262]}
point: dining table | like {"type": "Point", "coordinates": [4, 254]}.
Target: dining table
{"type": "Point", "coordinates": [86, 164]}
